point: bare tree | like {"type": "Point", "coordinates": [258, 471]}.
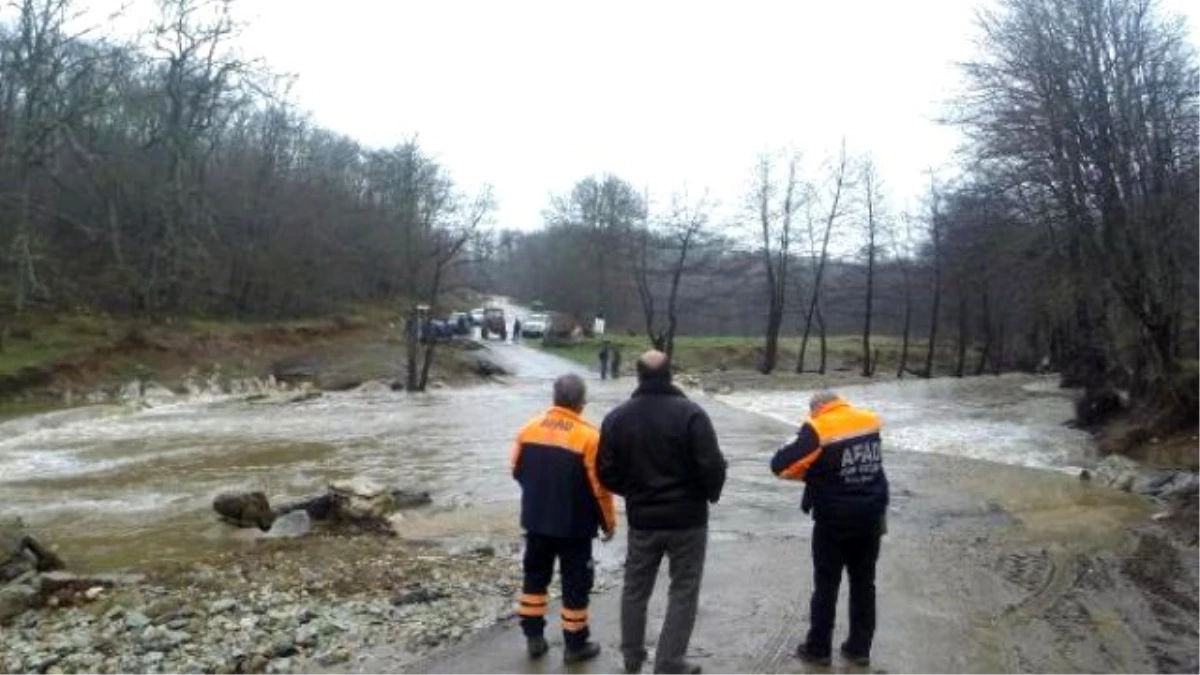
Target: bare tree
{"type": "Point", "coordinates": [603, 212]}
{"type": "Point", "coordinates": [874, 236]}
{"type": "Point", "coordinates": [1089, 109]}
{"type": "Point", "coordinates": [902, 251]}
{"type": "Point", "coordinates": [935, 224]}
{"type": "Point", "coordinates": [673, 244]}
{"type": "Point", "coordinates": [775, 243]}
{"type": "Point", "coordinates": [839, 179]}
{"type": "Point", "coordinates": [448, 248]}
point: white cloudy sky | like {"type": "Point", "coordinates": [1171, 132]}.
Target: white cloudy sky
{"type": "Point", "coordinates": [531, 96]}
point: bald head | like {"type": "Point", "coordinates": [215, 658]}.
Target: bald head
{"type": "Point", "coordinates": [653, 366]}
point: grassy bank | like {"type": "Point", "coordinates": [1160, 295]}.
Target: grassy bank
{"type": "Point", "coordinates": [708, 353]}
{"type": "Point", "coordinates": [46, 356]}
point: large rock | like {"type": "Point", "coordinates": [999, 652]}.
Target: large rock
{"type": "Point", "coordinates": [289, 525]}
{"type": "Point", "coordinates": [321, 507]}
{"type": "Point", "coordinates": [1094, 407]}
{"type": "Point", "coordinates": [245, 509]}
{"type": "Point", "coordinates": [366, 503]}
{"type": "Point", "coordinates": [15, 599]}
{"type": "Point", "coordinates": [1165, 483]}
{"type": "Point", "coordinates": [1117, 472]}
{"type": "Point", "coordinates": [20, 553]}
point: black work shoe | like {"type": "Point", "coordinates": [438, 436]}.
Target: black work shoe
{"type": "Point", "coordinates": [856, 658]}
{"type": "Point", "coordinates": [633, 666]}
{"type": "Point", "coordinates": [804, 654]}
{"type": "Point", "coordinates": [537, 647]}
{"type": "Point", "coordinates": [584, 652]}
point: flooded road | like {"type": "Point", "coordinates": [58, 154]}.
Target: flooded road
{"type": "Point", "coordinates": [116, 485]}
{"type": "Point", "coordinates": [1008, 568]}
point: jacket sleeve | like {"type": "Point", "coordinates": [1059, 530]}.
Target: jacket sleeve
{"type": "Point", "coordinates": [604, 498]}
{"type": "Point", "coordinates": [608, 465]}
{"type": "Point", "coordinates": [708, 455]}
{"type": "Point", "coordinates": [793, 460]}
{"type": "Point", "coordinates": [514, 461]}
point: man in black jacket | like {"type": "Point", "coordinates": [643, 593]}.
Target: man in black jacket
{"type": "Point", "coordinates": [658, 450]}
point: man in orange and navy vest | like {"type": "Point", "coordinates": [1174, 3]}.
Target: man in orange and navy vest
{"type": "Point", "coordinates": [837, 455]}
{"type": "Point", "coordinates": [563, 506]}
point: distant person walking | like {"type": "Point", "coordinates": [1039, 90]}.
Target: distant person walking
{"type": "Point", "coordinates": [615, 360]}
{"type": "Point", "coordinates": [837, 454]}
{"type": "Point", "coordinates": [659, 451]}
{"type": "Point", "coordinates": [605, 352]}
{"type": "Point", "coordinates": [563, 505]}
{"type": "Point", "coordinates": [516, 330]}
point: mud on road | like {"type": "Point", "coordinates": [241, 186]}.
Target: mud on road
{"type": "Point", "coordinates": [987, 568]}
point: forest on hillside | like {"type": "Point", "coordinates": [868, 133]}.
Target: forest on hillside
{"type": "Point", "coordinates": [169, 174]}
{"type": "Point", "coordinates": [1069, 240]}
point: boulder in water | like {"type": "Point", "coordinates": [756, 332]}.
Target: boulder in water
{"type": "Point", "coordinates": [245, 509]}
{"type": "Point", "coordinates": [292, 524]}
{"type": "Point", "coordinates": [365, 503]}
{"type": "Point", "coordinates": [1096, 406]}
{"type": "Point", "coordinates": [15, 599]}
{"type": "Point", "coordinates": [317, 508]}
{"type": "Point", "coordinates": [20, 553]}
{"type": "Point", "coordinates": [1117, 472]}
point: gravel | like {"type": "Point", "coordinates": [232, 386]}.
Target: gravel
{"type": "Point", "coordinates": [287, 606]}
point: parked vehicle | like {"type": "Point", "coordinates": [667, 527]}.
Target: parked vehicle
{"type": "Point", "coordinates": [535, 325]}
{"type": "Point", "coordinates": [477, 316]}
{"type": "Point", "coordinates": [460, 322]}
{"type": "Point", "coordinates": [436, 330]}
{"type": "Point", "coordinates": [494, 323]}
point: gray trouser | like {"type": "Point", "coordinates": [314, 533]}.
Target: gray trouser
{"type": "Point", "coordinates": [685, 553]}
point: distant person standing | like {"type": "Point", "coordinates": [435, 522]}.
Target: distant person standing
{"type": "Point", "coordinates": [516, 330]}
{"type": "Point", "coordinates": [837, 454]}
{"type": "Point", "coordinates": [605, 352]}
{"type": "Point", "coordinates": [615, 360]}
{"type": "Point", "coordinates": [563, 506]}
{"type": "Point", "coordinates": [659, 451]}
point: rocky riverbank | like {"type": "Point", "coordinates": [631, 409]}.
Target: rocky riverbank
{"type": "Point", "coordinates": [286, 606]}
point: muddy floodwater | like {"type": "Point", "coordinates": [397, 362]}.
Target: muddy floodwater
{"type": "Point", "coordinates": [114, 486]}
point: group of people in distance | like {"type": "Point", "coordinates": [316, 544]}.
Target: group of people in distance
{"type": "Point", "coordinates": [659, 451]}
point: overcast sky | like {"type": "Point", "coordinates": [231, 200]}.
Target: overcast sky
{"type": "Point", "coordinates": [532, 96]}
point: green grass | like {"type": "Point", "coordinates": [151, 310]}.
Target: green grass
{"type": "Point", "coordinates": [42, 340]}
{"type": "Point", "coordinates": [696, 353]}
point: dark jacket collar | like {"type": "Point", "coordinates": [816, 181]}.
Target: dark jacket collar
{"type": "Point", "coordinates": [657, 388]}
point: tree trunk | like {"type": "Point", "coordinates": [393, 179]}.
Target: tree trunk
{"type": "Point", "coordinates": [963, 336]}
{"type": "Point", "coordinates": [412, 350]}
{"type": "Point", "coordinates": [771, 346]}
{"type": "Point", "coordinates": [933, 320]}
{"type": "Point", "coordinates": [868, 367]}
{"type": "Point", "coordinates": [985, 351]}
{"type": "Point", "coordinates": [821, 329]}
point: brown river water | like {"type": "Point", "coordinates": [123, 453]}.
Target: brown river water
{"type": "Point", "coordinates": [118, 485]}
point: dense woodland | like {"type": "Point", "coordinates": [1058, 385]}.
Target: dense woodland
{"type": "Point", "coordinates": [1069, 240]}
{"type": "Point", "coordinates": [169, 174]}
